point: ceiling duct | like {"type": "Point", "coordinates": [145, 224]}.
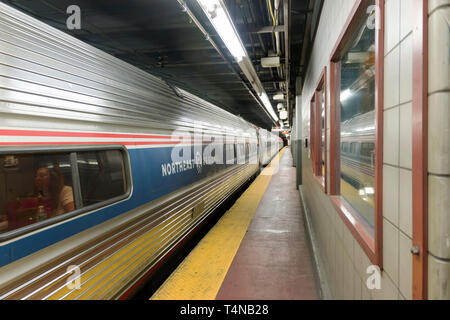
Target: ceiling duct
{"type": "Point", "coordinates": [279, 97]}
{"type": "Point", "coordinates": [270, 62]}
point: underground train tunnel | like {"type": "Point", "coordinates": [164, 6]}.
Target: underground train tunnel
{"type": "Point", "coordinates": [224, 150]}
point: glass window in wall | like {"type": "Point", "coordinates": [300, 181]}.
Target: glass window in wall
{"type": "Point", "coordinates": [312, 133]}
{"type": "Point", "coordinates": [357, 98]}
{"type": "Point", "coordinates": [102, 175]}
{"type": "Point", "coordinates": [322, 112]}
{"type": "Point", "coordinates": [34, 188]}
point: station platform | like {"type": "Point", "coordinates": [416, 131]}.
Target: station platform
{"type": "Point", "coordinates": [257, 251]}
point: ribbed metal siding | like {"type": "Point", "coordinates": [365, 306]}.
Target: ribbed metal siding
{"type": "Point", "coordinates": [45, 72]}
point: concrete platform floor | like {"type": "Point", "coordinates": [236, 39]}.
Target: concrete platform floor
{"type": "Point", "coordinates": [274, 261]}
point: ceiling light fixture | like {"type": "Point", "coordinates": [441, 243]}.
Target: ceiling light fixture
{"type": "Point", "coordinates": [218, 15]}
{"type": "Point", "coordinates": [265, 100]}
{"type": "Point", "coordinates": [346, 94]}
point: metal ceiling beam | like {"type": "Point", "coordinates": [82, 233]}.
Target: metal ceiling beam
{"type": "Point", "coordinates": [273, 80]}
{"type": "Point", "coordinates": [230, 64]}
{"type": "Point", "coordinates": [191, 64]}
{"type": "Point", "coordinates": [286, 6]}
{"type": "Point", "coordinates": [268, 29]}
{"type": "Point", "coordinates": [194, 47]}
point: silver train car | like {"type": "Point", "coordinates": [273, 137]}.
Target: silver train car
{"type": "Point", "coordinates": [358, 162]}
{"type": "Point", "coordinates": [105, 170]}
{"type": "Point", "coordinates": [358, 147]}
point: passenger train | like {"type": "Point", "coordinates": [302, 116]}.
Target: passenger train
{"type": "Point", "coordinates": [105, 170]}
{"type": "Point", "coordinates": [358, 162]}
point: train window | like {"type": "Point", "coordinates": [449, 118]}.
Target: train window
{"type": "Point", "coordinates": [102, 175]}
{"type": "Point", "coordinates": [240, 153]}
{"type": "Point", "coordinates": [34, 187]}
{"type": "Point", "coordinates": [357, 118]}
{"type": "Point", "coordinates": [367, 149]}
{"type": "Point", "coordinates": [229, 153]}
{"type": "Point", "coordinates": [345, 147]}
{"type": "Point", "coordinates": [354, 148]}
{"type": "Point", "coordinates": [247, 151]}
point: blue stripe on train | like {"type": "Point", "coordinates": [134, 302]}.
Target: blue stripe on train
{"type": "Point", "coordinates": [148, 184]}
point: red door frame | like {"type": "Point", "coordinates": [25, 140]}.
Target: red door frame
{"type": "Point", "coordinates": [420, 150]}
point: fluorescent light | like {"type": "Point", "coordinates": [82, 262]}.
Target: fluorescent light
{"type": "Point", "coordinates": [346, 94]}
{"type": "Point", "coordinates": [278, 97]}
{"type": "Point", "coordinates": [268, 105]}
{"type": "Point", "coordinates": [216, 13]}
{"type": "Point", "coordinates": [369, 190]}
{"type": "Point", "coordinates": [365, 129]}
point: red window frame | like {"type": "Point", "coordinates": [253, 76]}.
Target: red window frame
{"type": "Point", "coordinates": [372, 244]}
{"type": "Point", "coordinates": [312, 132]}
{"type": "Point", "coordinates": [320, 176]}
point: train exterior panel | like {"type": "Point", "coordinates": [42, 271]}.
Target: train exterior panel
{"type": "Point", "coordinates": [60, 96]}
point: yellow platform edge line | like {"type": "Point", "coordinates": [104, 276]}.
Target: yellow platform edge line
{"type": "Point", "coordinates": [200, 275]}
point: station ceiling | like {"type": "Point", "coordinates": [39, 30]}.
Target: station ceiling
{"type": "Point", "coordinates": [159, 37]}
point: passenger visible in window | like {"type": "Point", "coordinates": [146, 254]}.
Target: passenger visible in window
{"type": "Point", "coordinates": [49, 183]}
{"type": "Point", "coordinates": [3, 222]}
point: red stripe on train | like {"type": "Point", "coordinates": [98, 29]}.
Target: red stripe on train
{"type": "Point", "coordinates": [128, 143]}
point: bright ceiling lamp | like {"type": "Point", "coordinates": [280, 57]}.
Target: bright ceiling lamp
{"type": "Point", "coordinates": [217, 14]}
{"type": "Point", "coordinates": [265, 100]}
{"type": "Point", "coordinates": [346, 94]}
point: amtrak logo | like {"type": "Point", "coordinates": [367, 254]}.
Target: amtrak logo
{"type": "Point", "coordinates": [198, 162]}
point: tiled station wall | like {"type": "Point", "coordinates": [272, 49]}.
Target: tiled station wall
{"type": "Point", "coordinates": [340, 255]}
{"type": "Point", "coordinates": [439, 150]}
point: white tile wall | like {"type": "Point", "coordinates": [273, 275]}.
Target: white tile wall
{"type": "Point", "coordinates": [349, 262]}
{"type": "Point", "coordinates": [406, 17]}
{"type": "Point", "coordinates": [390, 193]}
{"type": "Point", "coordinates": [406, 74]}
{"type": "Point", "coordinates": [391, 134]}
{"type": "Point", "coordinates": [405, 153]}
{"type": "Point", "coordinates": [405, 266]}
{"type": "Point", "coordinates": [392, 78]}
{"type": "Point", "coordinates": [439, 55]}
{"type": "Point", "coordinates": [439, 216]}
{"type": "Point", "coordinates": [390, 250]}
{"type": "Point", "coordinates": [405, 202]}
{"type": "Point", "coordinates": [438, 279]}
{"type": "Point", "coordinates": [439, 133]}
{"type": "Point", "coordinates": [439, 150]}
{"type": "Point", "coordinates": [392, 24]}
{"type": "Point", "coordinates": [435, 4]}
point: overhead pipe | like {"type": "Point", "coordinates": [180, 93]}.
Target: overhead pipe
{"type": "Point", "coordinates": [256, 83]}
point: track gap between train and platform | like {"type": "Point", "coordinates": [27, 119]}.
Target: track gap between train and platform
{"type": "Point", "coordinates": [163, 271]}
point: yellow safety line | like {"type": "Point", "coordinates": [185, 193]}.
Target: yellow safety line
{"type": "Point", "coordinates": [200, 275]}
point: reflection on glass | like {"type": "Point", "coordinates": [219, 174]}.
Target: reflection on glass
{"type": "Point", "coordinates": [34, 188]}
{"type": "Point", "coordinates": [322, 112]}
{"type": "Point", "coordinates": [312, 128]}
{"type": "Point", "coordinates": [102, 175]}
{"type": "Point", "coordinates": [358, 123]}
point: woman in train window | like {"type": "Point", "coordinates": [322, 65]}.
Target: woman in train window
{"type": "Point", "coordinates": [49, 183]}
